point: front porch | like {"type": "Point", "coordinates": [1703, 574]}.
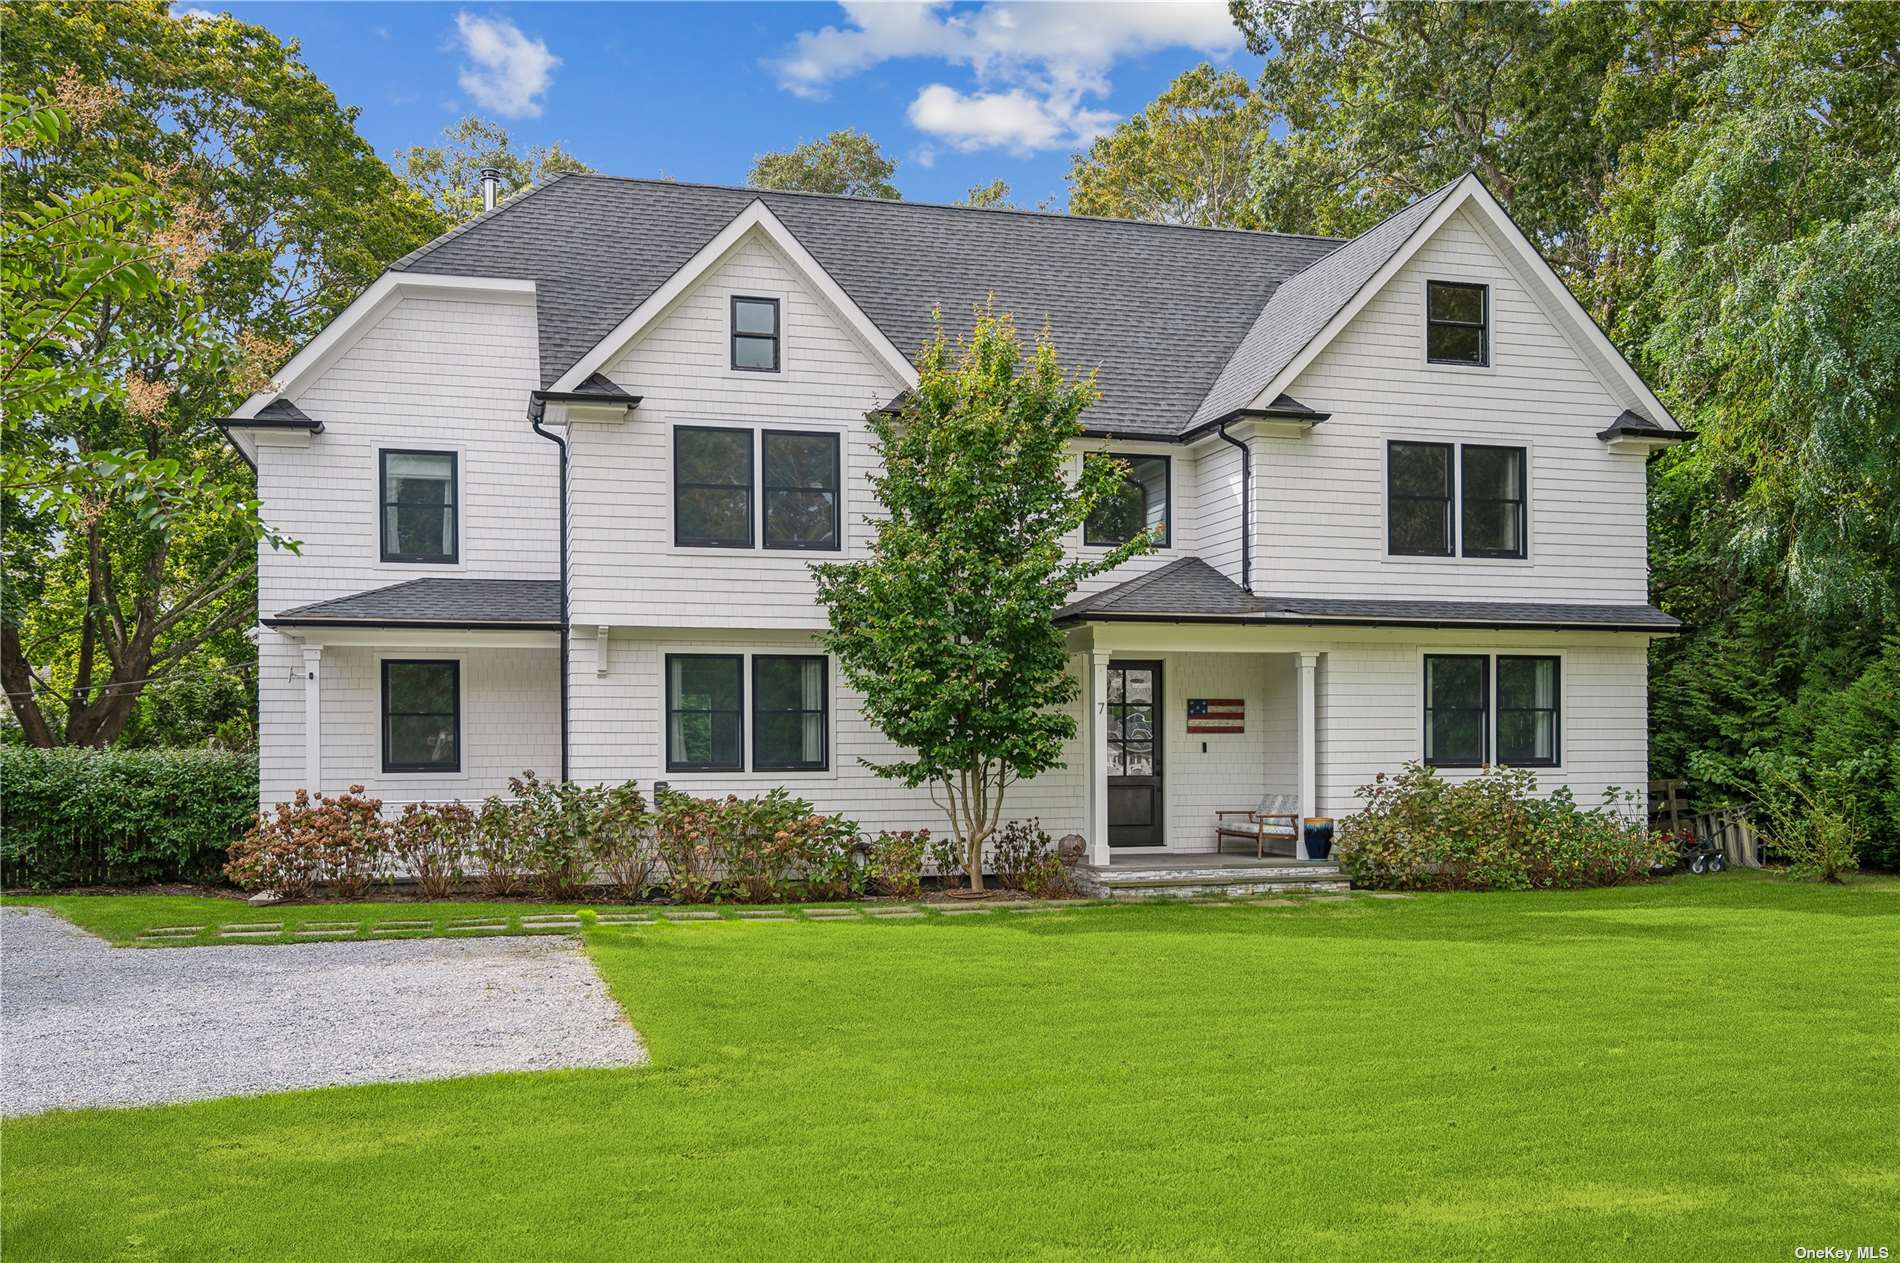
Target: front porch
{"type": "Point", "coordinates": [1187, 874]}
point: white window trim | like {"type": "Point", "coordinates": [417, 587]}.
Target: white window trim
{"type": "Point", "coordinates": [1492, 653]}
{"type": "Point", "coordinates": [723, 781]}
{"type": "Point", "coordinates": [420, 781]}
{"type": "Point", "coordinates": [1423, 299]}
{"type": "Point", "coordinates": [418, 569]}
{"type": "Point", "coordinates": [799, 556]}
{"type": "Point", "coordinates": [783, 297]}
{"type": "Point", "coordinates": [1458, 443]}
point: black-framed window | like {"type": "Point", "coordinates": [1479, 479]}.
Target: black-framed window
{"type": "Point", "coordinates": [1457, 709]}
{"type": "Point", "coordinates": [1529, 702]}
{"type": "Point", "coordinates": [422, 715]}
{"type": "Point", "coordinates": [800, 474]}
{"type": "Point", "coordinates": [1456, 323]}
{"type": "Point", "coordinates": [1140, 503]}
{"type": "Point", "coordinates": [705, 712]}
{"type": "Point", "coordinates": [418, 496]}
{"type": "Point", "coordinates": [755, 334]}
{"type": "Point", "coordinates": [712, 487]}
{"type": "Point", "coordinates": [1419, 499]}
{"type": "Point", "coordinates": [790, 712]}
{"type": "Point", "coordinates": [1492, 500]}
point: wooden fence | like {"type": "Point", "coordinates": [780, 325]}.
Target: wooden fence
{"type": "Point", "coordinates": [1729, 828]}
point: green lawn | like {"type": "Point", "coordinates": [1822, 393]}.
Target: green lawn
{"type": "Point", "coordinates": [1700, 1069]}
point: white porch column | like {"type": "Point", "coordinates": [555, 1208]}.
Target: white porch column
{"type": "Point", "coordinates": [1098, 757]}
{"type": "Point", "coordinates": [313, 718]}
{"type": "Point", "coordinates": [1309, 746]}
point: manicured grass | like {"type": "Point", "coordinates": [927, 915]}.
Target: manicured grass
{"type": "Point", "coordinates": [1700, 1069]}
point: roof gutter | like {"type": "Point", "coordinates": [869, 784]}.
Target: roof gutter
{"type": "Point", "coordinates": [1246, 507]}
{"type": "Point", "coordinates": [422, 623]}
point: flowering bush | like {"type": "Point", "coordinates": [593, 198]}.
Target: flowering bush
{"type": "Point", "coordinates": [753, 848]}
{"type": "Point", "coordinates": [499, 846]}
{"type": "Point", "coordinates": [558, 821]}
{"type": "Point", "coordinates": [897, 862]}
{"type": "Point", "coordinates": [1018, 851]}
{"type": "Point", "coordinates": [430, 842]}
{"type": "Point", "coordinates": [622, 847]}
{"type": "Point", "coordinates": [686, 832]}
{"type": "Point", "coordinates": [1491, 832]}
{"type": "Point", "coordinates": [313, 840]}
{"type": "Point", "coordinates": [946, 861]}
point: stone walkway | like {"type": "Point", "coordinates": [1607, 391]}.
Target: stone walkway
{"type": "Point", "coordinates": [83, 1023]}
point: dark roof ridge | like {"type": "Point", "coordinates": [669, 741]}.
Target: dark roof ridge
{"type": "Point", "coordinates": [949, 206]}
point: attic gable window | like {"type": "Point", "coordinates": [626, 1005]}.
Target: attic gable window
{"type": "Point", "coordinates": [418, 503]}
{"type": "Point", "coordinates": [755, 334]}
{"type": "Point", "coordinates": [1457, 319]}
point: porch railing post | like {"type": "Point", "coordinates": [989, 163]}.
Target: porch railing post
{"type": "Point", "coordinates": [1309, 748]}
{"type": "Point", "coordinates": [1098, 757]}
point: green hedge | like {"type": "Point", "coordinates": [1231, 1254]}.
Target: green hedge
{"type": "Point", "coordinates": [84, 817]}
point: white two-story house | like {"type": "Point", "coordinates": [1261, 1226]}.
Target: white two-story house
{"type": "Point", "coordinates": [559, 474]}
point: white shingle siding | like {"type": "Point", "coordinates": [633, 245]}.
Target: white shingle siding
{"type": "Point", "coordinates": [1321, 497]}
{"type": "Point", "coordinates": [435, 373]}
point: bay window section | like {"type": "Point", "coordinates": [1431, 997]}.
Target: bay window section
{"type": "Point", "coordinates": [1139, 504]}
{"type": "Point", "coordinates": [422, 715]}
{"type": "Point", "coordinates": [801, 476]}
{"type": "Point", "coordinates": [1456, 709]}
{"type": "Point", "coordinates": [1527, 711]}
{"type": "Point", "coordinates": [1492, 493]}
{"type": "Point", "coordinates": [1418, 499]}
{"type": "Point", "coordinates": [418, 506]}
{"type": "Point", "coordinates": [712, 487]}
{"type": "Point", "coordinates": [789, 713]}
{"type": "Point", "coordinates": [704, 712]}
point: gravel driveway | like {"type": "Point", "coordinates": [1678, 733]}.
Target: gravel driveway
{"type": "Point", "coordinates": [84, 1023]}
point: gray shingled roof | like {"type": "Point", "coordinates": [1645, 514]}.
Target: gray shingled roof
{"type": "Point", "coordinates": [502, 603]}
{"type": "Point", "coordinates": [279, 414]}
{"type": "Point", "coordinates": [1156, 309]}
{"type": "Point", "coordinates": [1189, 588]}
{"type": "Point", "coordinates": [1638, 424]}
{"type": "Point", "coordinates": [1299, 309]}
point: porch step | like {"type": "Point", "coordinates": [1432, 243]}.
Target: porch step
{"type": "Point", "coordinates": [1187, 880]}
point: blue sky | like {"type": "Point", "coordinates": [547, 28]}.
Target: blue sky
{"type": "Point", "coordinates": [959, 94]}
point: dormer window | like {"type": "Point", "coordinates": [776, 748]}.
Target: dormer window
{"type": "Point", "coordinates": [755, 334]}
{"type": "Point", "coordinates": [1456, 324]}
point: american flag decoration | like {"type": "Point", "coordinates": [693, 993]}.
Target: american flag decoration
{"type": "Point", "coordinates": [1217, 714]}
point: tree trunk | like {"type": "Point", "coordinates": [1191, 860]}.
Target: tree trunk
{"type": "Point", "coordinates": [17, 675]}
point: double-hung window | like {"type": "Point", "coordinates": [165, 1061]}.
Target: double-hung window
{"type": "Point", "coordinates": [418, 496]}
{"type": "Point", "coordinates": [789, 717]}
{"type": "Point", "coordinates": [1139, 504]}
{"type": "Point", "coordinates": [1457, 320]}
{"type": "Point", "coordinates": [1451, 499]}
{"type": "Point", "coordinates": [1477, 703]}
{"type": "Point", "coordinates": [422, 715]}
{"type": "Point", "coordinates": [706, 712]}
{"type": "Point", "coordinates": [755, 334]}
{"type": "Point", "coordinates": [797, 495]}
{"type": "Point", "coordinates": [705, 709]}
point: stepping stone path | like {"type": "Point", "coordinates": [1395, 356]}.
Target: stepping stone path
{"type": "Point", "coordinates": [623, 918]}
{"type": "Point", "coordinates": [960, 912]}
{"type": "Point", "coordinates": [1331, 899]}
{"type": "Point", "coordinates": [1384, 894]}
{"type": "Point", "coordinates": [557, 922]}
{"type": "Point", "coordinates": [258, 929]}
{"type": "Point", "coordinates": [692, 916]}
{"type": "Point", "coordinates": [764, 914]}
{"type": "Point", "coordinates": [1276, 903]}
{"type": "Point", "coordinates": [899, 912]}
{"type": "Point", "coordinates": [164, 933]}
{"type": "Point", "coordinates": [831, 914]}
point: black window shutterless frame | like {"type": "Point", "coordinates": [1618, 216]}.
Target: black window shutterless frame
{"type": "Point", "coordinates": [1409, 509]}
{"type": "Point", "coordinates": [683, 535]}
{"type": "Point", "coordinates": [385, 504]}
{"type": "Point", "coordinates": [1095, 532]}
{"type": "Point", "coordinates": [780, 491]}
{"type": "Point", "coordinates": [1477, 503]}
{"type": "Point", "coordinates": [1448, 331]}
{"type": "Point", "coordinates": [711, 713]}
{"type": "Point", "coordinates": [1509, 733]}
{"type": "Point", "coordinates": [755, 339]}
{"type": "Point", "coordinates": [762, 759]}
{"type": "Point", "coordinates": [392, 712]}
{"type": "Point", "coordinates": [1475, 707]}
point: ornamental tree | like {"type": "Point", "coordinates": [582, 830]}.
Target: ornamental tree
{"type": "Point", "coordinates": [948, 628]}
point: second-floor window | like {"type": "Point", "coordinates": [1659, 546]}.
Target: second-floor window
{"type": "Point", "coordinates": [797, 494]}
{"type": "Point", "coordinates": [1447, 499]}
{"type": "Point", "coordinates": [1457, 324]}
{"type": "Point", "coordinates": [1141, 503]}
{"type": "Point", "coordinates": [419, 501]}
{"type": "Point", "coordinates": [755, 334]}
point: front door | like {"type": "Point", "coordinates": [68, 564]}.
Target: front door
{"type": "Point", "coordinates": [1134, 754]}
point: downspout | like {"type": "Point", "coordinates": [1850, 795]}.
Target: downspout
{"type": "Point", "coordinates": [537, 411]}
{"type": "Point", "coordinates": [1246, 508]}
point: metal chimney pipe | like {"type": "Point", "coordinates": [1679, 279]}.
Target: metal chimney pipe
{"type": "Point", "coordinates": [491, 187]}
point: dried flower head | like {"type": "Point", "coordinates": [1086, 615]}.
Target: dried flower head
{"type": "Point", "coordinates": [85, 103]}
{"type": "Point", "coordinates": [146, 397]}
{"type": "Point", "coordinates": [186, 240]}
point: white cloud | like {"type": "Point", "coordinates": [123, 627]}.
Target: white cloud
{"type": "Point", "coordinates": [924, 156]}
{"type": "Point", "coordinates": [1034, 64]}
{"type": "Point", "coordinates": [196, 15]}
{"type": "Point", "coordinates": [510, 71]}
